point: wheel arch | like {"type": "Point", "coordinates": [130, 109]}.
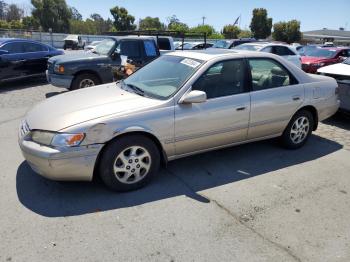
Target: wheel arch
{"type": "Point", "coordinates": [88, 71]}
{"type": "Point", "coordinates": [314, 113]}
{"type": "Point", "coordinates": [163, 155]}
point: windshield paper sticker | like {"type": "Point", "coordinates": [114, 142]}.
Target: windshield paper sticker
{"type": "Point", "coordinates": [190, 62]}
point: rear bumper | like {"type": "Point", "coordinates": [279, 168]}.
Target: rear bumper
{"type": "Point", "coordinates": [70, 164]}
{"type": "Point", "coordinates": [59, 80]}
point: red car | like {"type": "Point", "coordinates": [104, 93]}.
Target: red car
{"type": "Point", "coordinates": [320, 57]}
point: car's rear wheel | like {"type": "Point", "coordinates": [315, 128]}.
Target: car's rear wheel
{"type": "Point", "coordinates": [298, 130]}
{"type": "Point", "coordinates": [129, 163]}
{"type": "Point", "coordinates": [85, 80]}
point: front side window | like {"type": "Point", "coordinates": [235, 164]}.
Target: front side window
{"type": "Point", "coordinates": [267, 73]}
{"type": "Point", "coordinates": [16, 47]}
{"type": "Point", "coordinates": [105, 47]}
{"type": "Point", "coordinates": [163, 77]}
{"type": "Point", "coordinates": [283, 51]}
{"type": "Point", "coordinates": [222, 44]}
{"type": "Point", "coordinates": [222, 79]}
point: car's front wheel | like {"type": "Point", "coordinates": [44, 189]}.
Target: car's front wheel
{"type": "Point", "coordinates": [129, 163]}
{"type": "Point", "coordinates": [85, 80]}
{"type": "Point", "coordinates": [298, 130]}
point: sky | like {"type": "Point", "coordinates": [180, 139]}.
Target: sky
{"type": "Point", "coordinates": [313, 14]}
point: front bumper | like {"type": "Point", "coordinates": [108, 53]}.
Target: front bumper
{"type": "Point", "coordinates": [68, 164]}
{"type": "Point", "coordinates": [59, 80]}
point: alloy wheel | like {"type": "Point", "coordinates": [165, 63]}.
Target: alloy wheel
{"type": "Point", "coordinates": [132, 165]}
{"type": "Point", "coordinates": [300, 130]}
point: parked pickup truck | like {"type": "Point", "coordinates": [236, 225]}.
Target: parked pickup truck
{"type": "Point", "coordinates": [84, 69]}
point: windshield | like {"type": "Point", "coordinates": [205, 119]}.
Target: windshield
{"type": "Point", "coordinates": [105, 47]}
{"type": "Point", "coordinates": [248, 47]}
{"type": "Point", "coordinates": [222, 44]}
{"type": "Point", "coordinates": [164, 76]}
{"type": "Point", "coordinates": [347, 61]}
{"type": "Point", "coordinates": [318, 52]}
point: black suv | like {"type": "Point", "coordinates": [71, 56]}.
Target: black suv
{"type": "Point", "coordinates": [84, 69]}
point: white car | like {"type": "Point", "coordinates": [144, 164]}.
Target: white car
{"type": "Point", "coordinates": [286, 51]}
{"type": "Point", "coordinates": [92, 46]}
{"type": "Point", "coordinates": [341, 73]}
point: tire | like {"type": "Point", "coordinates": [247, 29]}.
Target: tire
{"type": "Point", "coordinates": [85, 80]}
{"type": "Point", "coordinates": [119, 168]}
{"type": "Point", "coordinates": [294, 137]}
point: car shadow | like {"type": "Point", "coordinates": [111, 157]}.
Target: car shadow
{"type": "Point", "coordinates": [22, 84]}
{"type": "Point", "coordinates": [340, 120]}
{"type": "Point", "coordinates": [186, 176]}
{"type": "Point", "coordinates": [51, 94]}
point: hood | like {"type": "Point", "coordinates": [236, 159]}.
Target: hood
{"type": "Point", "coordinates": [311, 59]}
{"type": "Point", "coordinates": [81, 56]}
{"type": "Point", "coordinates": [337, 69]}
{"type": "Point", "coordinates": [72, 108]}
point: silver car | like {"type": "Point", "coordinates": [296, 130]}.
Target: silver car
{"type": "Point", "coordinates": [181, 104]}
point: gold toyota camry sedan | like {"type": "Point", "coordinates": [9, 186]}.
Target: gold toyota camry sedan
{"type": "Point", "coordinates": [181, 104]}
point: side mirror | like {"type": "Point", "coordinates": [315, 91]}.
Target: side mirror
{"type": "Point", "coordinates": [116, 54]}
{"type": "Point", "coordinates": [195, 96]}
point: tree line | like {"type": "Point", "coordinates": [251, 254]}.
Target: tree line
{"type": "Point", "coordinates": [57, 16]}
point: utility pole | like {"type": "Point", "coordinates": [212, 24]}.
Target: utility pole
{"type": "Point", "coordinates": [203, 17]}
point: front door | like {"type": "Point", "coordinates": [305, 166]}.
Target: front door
{"type": "Point", "coordinates": [223, 118]}
{"type": "Point", "coordinates": [275, 96]}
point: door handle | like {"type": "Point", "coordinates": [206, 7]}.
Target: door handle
{"type": "Point", "coordinates": [296, 98]}
{"type": "Point", "coordinates": [242, 108]}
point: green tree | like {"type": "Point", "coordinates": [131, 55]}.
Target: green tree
{"type": "Point", "coordinates": [3, 7]}
{"type": "Point", "coordinates": [29, 22]}
{"type": "Point", "coordinates": [208, 29]}
{"type": "Point", "coordinates": [123, 21]}
{"type": "Point", "coordinates": [53, 14]}
{"type": "Point", "coordinates": [216, 36]}
{"type": "Point", "coordinates": [174, 24]}
{"type": "Point", "coordinates": [260, 25]}
{"type": "Point", "coordinates": [13, 13]}
{"type": "Point", "coordinates": [245, 34]}
{"type": "Point", "coordinates": [231, 31]}
{"type": "Point", "coordinates": [75, 14]}
{"type": "Point", "coordinates": [287, 31]}
{"type": "Point", "coordinates": [101, 24]}
{"type": "Point", "coordinates": [151, 23]}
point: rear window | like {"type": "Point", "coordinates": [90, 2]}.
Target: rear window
{"type": "Point", "coordinates": [164, 43]}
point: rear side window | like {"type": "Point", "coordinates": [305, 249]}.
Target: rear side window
{"type": "Point", "coordinates": [130, 48]}
{"type": "Point", "coordinates": [150, 48]}
{"type": "Point", "coordinates": [282, 51]}
{"type": "Point", "coordinates": [164, 43]}
{"type": "Point", "coordinates": [33, 47]}
{"type": "Point", "coordinates": [267, 73]}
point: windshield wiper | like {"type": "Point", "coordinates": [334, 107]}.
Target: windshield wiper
{"type": "Point", "coordinates": [134, 88]}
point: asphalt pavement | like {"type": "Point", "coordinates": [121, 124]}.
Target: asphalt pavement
{"type": "Point", "coordinates": [256, 202]}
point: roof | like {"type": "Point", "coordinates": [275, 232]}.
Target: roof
{"type": "Point", "coordinates": [328, 33]}
{"type": "Point", "coordinates": [212, 53]}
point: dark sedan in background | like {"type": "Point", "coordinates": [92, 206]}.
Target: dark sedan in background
{"type": "Point", "coordinates": [20, 58]}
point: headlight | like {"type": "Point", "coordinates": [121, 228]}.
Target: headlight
{"type": "Point", "coordinates": [59, 69]}
{"type": "Point", "coordinates": [57, 139]}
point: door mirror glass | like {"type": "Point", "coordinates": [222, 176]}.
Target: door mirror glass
{"type": "Point", "coordinates": [194, 96]}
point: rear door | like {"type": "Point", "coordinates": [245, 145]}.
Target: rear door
{"type": "Point", "coordinates": [275, 96]}
{"type": "Point", "coordinates": [12, 63]}
{"type": "Point", "coordinates": [36, 56]}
